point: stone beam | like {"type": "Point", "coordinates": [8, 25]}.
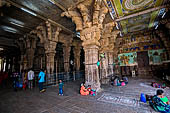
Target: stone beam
{"type": "Point", "coordinates": [60, 6]}
{"type": "Point", "coordinates": [39, 16]}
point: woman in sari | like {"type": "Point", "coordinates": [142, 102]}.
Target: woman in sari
{"type": "Point", "coordinates": [83, 90]}
{"type": "Point", "coordinates": [160, 102]}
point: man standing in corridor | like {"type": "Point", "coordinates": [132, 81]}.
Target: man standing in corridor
{"type": "Point", "coordinates": [30, 79]}
{"type": "Point", "coordinates": [41, 80]}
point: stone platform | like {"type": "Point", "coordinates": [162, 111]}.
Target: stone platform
{"type": "Point", "coordinates": [111, 99]}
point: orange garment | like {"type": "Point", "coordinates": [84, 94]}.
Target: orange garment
{"type": "Point", "coordinates": [83, 91]}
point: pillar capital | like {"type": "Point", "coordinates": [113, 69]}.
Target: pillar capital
{"type": "Point", "coordinates": [90, 36]}
{"type": "Point", "coordinates": [50, 47]}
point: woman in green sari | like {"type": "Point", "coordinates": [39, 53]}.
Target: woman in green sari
{"type": "Point", "coordinates": [160, 102]}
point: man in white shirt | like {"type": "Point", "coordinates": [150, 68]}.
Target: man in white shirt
{"type": "Point", "coordinates": [30, 79]}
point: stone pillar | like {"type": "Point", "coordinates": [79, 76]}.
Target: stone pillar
{"type": "Point", "coordinates": [66, 51]}
{"type": "Point", "coordinates": [50, 62]}
{"type": "Point", "coordinates": [50, 53]}
{"type": "Point", "coordinates": [22, 62]}
{"type": "Point", "coordinates": [89, 23]}
{"type": "Point", "coordinates": [166, 43]}
{"type": "Point", "coordinates": [91, 68]}
{"type": "Point", "coordinates": [104, 66]}
{"type": "Point", "coordinates": [30, 57]}
{"type": "Point", "coordinates": [168, 40]}
{"type": "Point", "coordinates": [110, 63]}
{"type": "Point", "coordinates": [77, 50]}
{"type": "Point", "coordinates": [25, 62]}
{"type": "Point", "coordinates": [30, 49]}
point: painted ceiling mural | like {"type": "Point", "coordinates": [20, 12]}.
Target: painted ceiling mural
{"type": "Point", "coordinates": [122, 8]}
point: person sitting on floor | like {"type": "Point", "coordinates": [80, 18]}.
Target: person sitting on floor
{"type": "Point", "coordinates": [125, 79]}
{"type": "Point", "coordinates": [160, 102]}
{"type": "Point", "coordinates": [83, 90]}
{"type": "Point", "coordinates": [117, 81]}
{"type": "Point", "coordinates": [91, 91]}
{"type": "Point", "coordinates": [155, 85]}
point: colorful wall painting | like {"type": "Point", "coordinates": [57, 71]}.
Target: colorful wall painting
{"type": "Point", "coordinates": [127, 59]}
{"type": "Point", "coordinates": [156, 56]}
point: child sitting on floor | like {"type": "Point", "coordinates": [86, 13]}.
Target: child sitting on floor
{"type": "Point", "coordinates": [125, 79]}
{"type": "Point", "coordinates": [91, 91]}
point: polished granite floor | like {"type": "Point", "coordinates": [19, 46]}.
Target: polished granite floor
{"type": "Point", "coordinates": [111, 99]}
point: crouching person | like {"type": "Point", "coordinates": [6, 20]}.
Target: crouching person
{"type": "Point", "coordinates": [160, 102]}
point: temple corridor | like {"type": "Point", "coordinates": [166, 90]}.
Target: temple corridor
{"type": "Point", "coordinates": [116, 52]}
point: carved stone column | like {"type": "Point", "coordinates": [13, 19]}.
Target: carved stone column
{"type": "Point", "coordinates": [90, 37]}
{"type": "Point", "coordinates": [110, 63]}
{"type": "Point", "coordinates": [89, 23]}
{"type": "Point", "coordinates": [77, 50]}
{"type": "Point", "coordinates": [107, 45]}
{"type": "Point", "coordinates": [66, 51]}
{"type": "Point", "coordinates": [50, 53]}
{"type": "Point", "coordinates": [30, 49]}
{"type": "Point", "coordinates": [165, 41]}
{"type": "Point", "coordinates": [67, 41]}
{"type": "Point", "coordinates": [21, 44]}
{"type": "Point", "coordinates": [91, 68]}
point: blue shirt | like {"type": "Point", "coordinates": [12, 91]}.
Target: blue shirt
{"type": "Point", "coordinates": [61, 85]}
{"type": "Point", "coordinates": [41, 76]}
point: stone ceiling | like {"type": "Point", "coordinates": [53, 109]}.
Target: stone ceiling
{"type": "Point", "coordinates": [15, 22]}
{"type": "Point", "coordinates": [136, 15]}
{"type": "Point", "coordinates": [131, 16]}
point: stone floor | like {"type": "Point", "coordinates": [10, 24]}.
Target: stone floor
{"type": "Point", "coordinates": [110, 100]}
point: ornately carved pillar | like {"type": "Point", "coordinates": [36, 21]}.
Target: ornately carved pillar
{"type": "Point", "coordinates": [110, 63]}
{"type": "Point", "coordinates": [50, 51]}
{"type": "Point", "coordinates": [66, 51]}
{"type": "Point", "coordinates": [89, 24]}
{"type": "Point", "coordinates": [22, 51]}
{"type": "Point", "coordinates": [30, 49]}
{"type": "Point", "coordinates": [104, 66]}
{"type": "Point", "coordinates": [30, 57]}
{"type": "Point", "coordinates": [77, 57]}
{"type": "Point", "coordinates": [90, 37]}
{"type": "Point", "coordinates": [166, 42]}
{"type": "Point", "coordinates": [91, 68]}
